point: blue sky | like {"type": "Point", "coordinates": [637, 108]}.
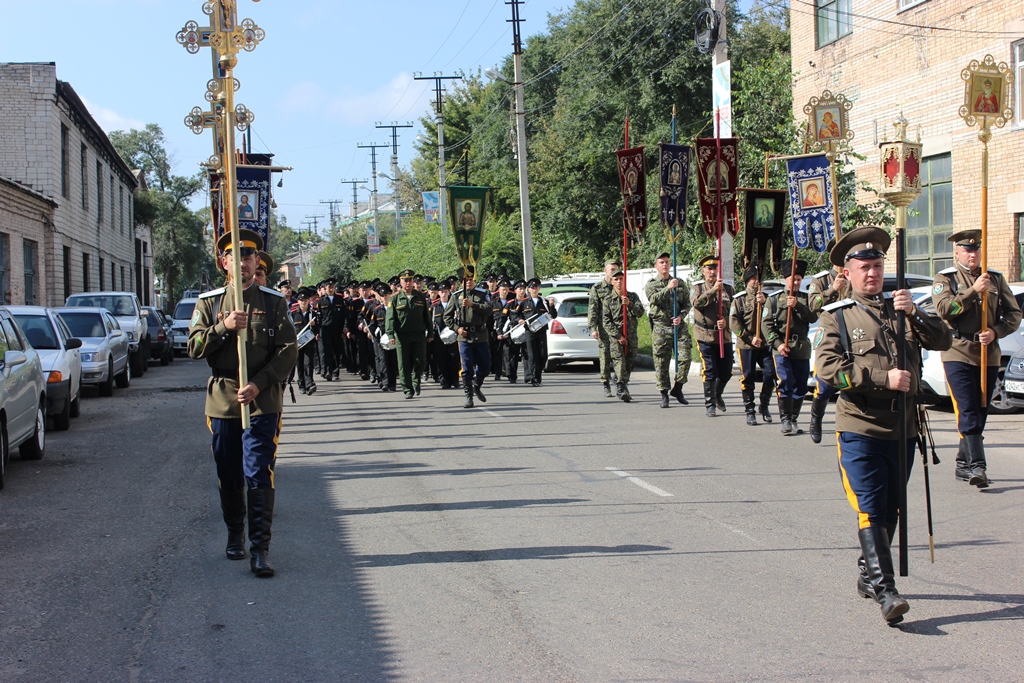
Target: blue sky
{"type": "Point", "coordinates": [327, 71]}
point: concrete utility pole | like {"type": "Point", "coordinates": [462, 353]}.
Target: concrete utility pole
{"type": "Point", "coordinates": [439, 109]}
{"type": "Point", "coordinates": [313, 220]}
{"type": "Point", "coordinates": [330, 207]}
{"type": "Point", "coordinates": [354, 208]}
{"type": "Point", "coordinates": [373, 198]}
{"type": "Point", "coordinates": [394, 171]}
{"type": "Point", "coordinates": [524, 185]}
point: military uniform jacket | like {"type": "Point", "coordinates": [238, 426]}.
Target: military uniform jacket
{"type": "Point", "coordinates": [743, 318]}
{"type": "Point", "coordinates": [595, 304]}
{"type": "Point", "coordinates": [300, 319]}
{"type": "Point", "coordinates": [661, 300]}
{"type": "Point", "coordinates": [408, 315]}
{"type": "Point", "coordinates": [330, 310]}
{"type": "Point", "coordinates": [773, 324]}
{"type": "Point", "coordinates": [270, 349]}
{"type": "Point", "coordinates": [705, 312]}
{"type": "Point", "coordinates": [353, 307]}
{"type": "Point", "coordinates": [377, 316]}
{"type": "Point", "coordinates": [437, 315]}
{"type": "Point", "coordinates": [473, 319]}
{"type": "Point", "coordinates": [612, 312]}
{"type": "Point", "coordinates": [857, 366]}
{"type": "Point", "coordinates": [821, 294]}
{"type": "Point", "coordinates": [960, 307]}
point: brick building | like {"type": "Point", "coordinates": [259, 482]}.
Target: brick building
{"type": "Point", "coordinates": [51, 145]}
{"type": "Point", "coordinates": [882, 54]}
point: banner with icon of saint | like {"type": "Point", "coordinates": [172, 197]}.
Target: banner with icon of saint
{"type": "Point", "coordinates": [810, 201]}
{"type": "Point", "coordinates": [467, 208]}
{"type": "Point", "coordinates": [717, 183]}
{"type": "Point", "coordinates": [633, 182]}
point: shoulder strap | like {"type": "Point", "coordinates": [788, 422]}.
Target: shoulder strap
{"type": "Point", "coordinates": [844, 335]}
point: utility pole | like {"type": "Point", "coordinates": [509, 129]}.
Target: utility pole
{"type": "Point", "coordinates": [355, 194]}
{"type": "Point", "coordinates": [306, 255]}
{"type": "Point", "coordinates": [439, 110]}
{"type": "Point", "coordinates": [721, 79]}
{"type": "Point", "coordinates": [330, 206]}
{"type": "Point", "coordinates": [394, 171]}
{"type": "Point", "coordinates": [313, 220]}
{"type": "Point", "coordinates": [524, 185]}
{"type": "Point", "coordinates": [373, 198]}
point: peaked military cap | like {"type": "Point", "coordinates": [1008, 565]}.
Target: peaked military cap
{"type": "Point", "coordinates": [407, 274]}
{"type": "Point", "coordinates": [965, 238]}
{"type": "Point", "coordinates": [267, 261]}
{"type": "Point", "coordinates": [248, 239]}
{"type": "Point", "coordinates": [708, 260]}
{"type": "Point", "coordinates": [869, 242]}
{"type": "Point", "coordinates": [533, 282]}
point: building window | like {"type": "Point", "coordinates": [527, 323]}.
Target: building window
{"type": "Point", "coordinates": [124, 285]}
{"type": "Point", "coordinates": [102, 288]}
{"type": "Point", "coordinates": [113, 211]}
{"type": "Point", "coordinates": [120, 193]}
{"type": "Point", "coordinates": [930, 220]}
{"type": "Point", "coordinates": [85, 177]}
{"type": "Point", "coordinates": [113, 276]}
{"type": "Point", "coordinates": [1018, 85]}
{"type": "Point", "coordinates": [834, 21]}
{"type": "Point", "coordinates": [65, 161]}
{"type": "Point", "coordinates": [85, 272]}
{"type": "Point", "coordinates": [31, 252]}
{"type": "Point", "coordinates": [67, 273]}
{"type": "Point", "coordinates": [907, 4]}
{"type": "Point", "coordinates": [99, 193]}
{"type": "Point", "coordinates": [5, 267]}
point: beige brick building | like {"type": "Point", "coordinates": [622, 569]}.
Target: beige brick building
{"type": "Point", "coordinates": [51, 145]}
{"type": "Point", "coordinates": [882, 54]}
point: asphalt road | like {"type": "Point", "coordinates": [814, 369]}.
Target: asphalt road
{"type": "Point", "coordinates": [547, 535]}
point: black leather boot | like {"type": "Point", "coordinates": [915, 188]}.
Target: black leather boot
{"type": "Point", "coordinates": [818, 406]}
{"type": "Point", "coordinates": [864, 588]}
{"type": "Point", "coordinates": [794, 415]}
{"type": "Point", "coordinates": [467, 386]}
{"type": "Point", "coordinates": [479, 394]}
{"type": "Point", "coordinates": [607, 389]}
{"type": "Point", "coordinates": [677, 393]}
{"type": "Point", "coordinates": [624, 392]}
{"type": "Point", "coordinates": [719, 387]}
{"type": "Point", "coordinates": [709, 399]}
{"type": "Point", "coordinates": [787, 425]}
{"type": "Point", "coordinates": [261, 516]}
{"type": "Point", "coordinates": [974, 448]}
{"type": "Point", "coordinates": [232, 505]}
{"type": "Point", "coordinates": [963, 470]}
{"type": "Point", "coordinates": [874, 543]}
{"type": "Point", "coordinates": [766, 413]}
{"type": "Point", "coordinates": [748, 407]}
{"type": "Point", "coordinates": [664, 398]}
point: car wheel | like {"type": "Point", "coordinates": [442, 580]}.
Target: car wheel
{"type": "Point", "coordinates": [33, 448]}
{"type": "Point", "coordinates": [76, 404]}
{"type": "Point", "coordinates": [136, 361]}
{"type": "Point", "coordinates": [107, 387]}
{"type": "Point", "coordinates": [165, 358]}
{"type": "Point", "coordinates": [125, 378]}
{"type": "Point", "coordinates": [5, 454]}
{"type": "Point", "coordinates": [997, 402]}
{"type": "Point", "coordinates": [62, 420]}
{"type": "Point", "coordinates": [550, 366]}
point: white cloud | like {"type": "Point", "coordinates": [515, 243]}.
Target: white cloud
{"type": "Point", "coordinates": [110, 120]}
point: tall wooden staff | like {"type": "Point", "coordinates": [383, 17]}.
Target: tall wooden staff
{"type": "Point", "coordinates": [901, 185]}
{"type": "Point", "coordinates": [719, 226]}
{"type": "Point", "coordinates": [227, 37]}
{"type": "Point", "coordinates": [987, 101]}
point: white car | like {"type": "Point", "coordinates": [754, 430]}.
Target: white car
{"type": "Point", "coordinates": [126, 308]}
{"type": "Point", "coordinates": [180, 320]}
{"type": "Point", "coordinates": [105, 354]}
{"type": "Point", "coordinates": [61, 360]}
{"type": "Point", "coordinates": [569, 339]}
{"type": "Point", "coordinates": [22, 395]}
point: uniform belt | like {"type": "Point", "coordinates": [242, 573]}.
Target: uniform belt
{"type": "Point", "coordinates": [706, 327]}
{"type": "Point", "coordinates": [874, 402]}
{"type": "Point", "coordinates": [471, 328]}
{"type": "Point", "coordinates": [224, 374]}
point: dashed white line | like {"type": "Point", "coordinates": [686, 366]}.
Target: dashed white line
{"type": "Point", "coordinates": [490, 412]}
{"type": "Point", "coordinates": [640, 482]}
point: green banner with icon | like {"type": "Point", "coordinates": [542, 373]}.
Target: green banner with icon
{"type": "Point", "coordinates": [468, 207]}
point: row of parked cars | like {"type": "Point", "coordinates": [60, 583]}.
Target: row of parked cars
{"type": "Point", "coordinates": [48, 355]}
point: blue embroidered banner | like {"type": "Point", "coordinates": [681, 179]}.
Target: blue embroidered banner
{"type": "Point", "coordinates": [675, 179]}
{"type": "Point", "coordinates": [810, 201]}
{"type": "Point", "coordinates": [253, 195]}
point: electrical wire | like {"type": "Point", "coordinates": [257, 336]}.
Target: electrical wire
{"type": "Point", "coordinates": [470, 39]}
{"type": "Point", "coordinates": [904, 23]}
{"type": "Point", "coordinates": [443, 42]}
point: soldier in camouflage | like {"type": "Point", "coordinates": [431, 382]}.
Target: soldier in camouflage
{"type": "Point", "coordinates": [669, 299]}
{"type": "Point", "coordinates": [622, 337]}
{"type": "Point", "coordinates": [598, 293]}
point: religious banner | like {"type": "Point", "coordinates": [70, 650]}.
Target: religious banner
{"type": "Point", "coordinates": [432, 207]}
{"type": "Point", "coordinates": [467, 207]}
{"type": "Point", "coordinates": [714, 193]}
{"type": "Point", "coordinates": [675, 179]}
{"type": "Point", "coordinates": [253, 196]}
{"type": "Point", "coordinates": [633, 181]}
{"type": "Point", "coordinates": [765, 214]}
{"type": "Point", "coordinates": [810, 201]}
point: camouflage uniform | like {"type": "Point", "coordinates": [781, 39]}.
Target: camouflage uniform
{"type": "Point", "coordinates": [665, 305]}
{"type": "Point", "coordinates": [611, 321]}
{"type": "Point", "coordinates": [594, 316]}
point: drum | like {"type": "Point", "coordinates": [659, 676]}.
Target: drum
{"type": "Point", "coordinates": [449, 336]}
{"type": "Point", "coordinates": [386, 342]}
{"type": "Point", "coordinates": [537, 322]}
{"type": "Point", "coordinates": [305, 336]}
{"type": "Point", "coordinates": [518, 334]}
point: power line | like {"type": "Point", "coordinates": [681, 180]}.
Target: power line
{"type": "Point", "coordinates": [901, 23]}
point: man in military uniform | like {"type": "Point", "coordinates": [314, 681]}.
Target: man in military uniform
{"type": "Point", "coordinates": [669, 299]}
{"type": "Point", "coordinates": [264, 266]}
{"type": "Point", "coordinates": [386, 358]}
{"type": "Point", "coordinates": [598, 293]}
{"type": "Point", "coordinates": [245, 458]}
{"type": "Point", "coordinates": [330, 311]}
{"type": "Point", "coordinates": [511, 318]}
{"type": "Point", "coordinates": [468, 313]}
{"type": "Point", "coordinates": [856, 352]}
{"type": "Point", "coordinates": [497, 298]}
{"type": "Point", "coordinates": [536, 344]}
{"type": "Point", "coordinates": [711, 301]}
{"type": "Point", "coordinates": [408, 323]}
{"type": "Point", "coordinates": [620, 314]}
{"type": "Point", "coordinates": [445, 355]}
{"type": "Point", "coordinates": [792, 354]}
{"type": "Point", "coordinates": [753, 351]}
{"type": "Point", "coordinates": [957, 293]}
{"type": "Point", "coordinates": [828, 287]}
{"type": "Point", "coordinates": [301, 317]}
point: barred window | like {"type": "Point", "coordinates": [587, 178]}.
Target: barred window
{"type": "Point", "coordinates": [833, 19]}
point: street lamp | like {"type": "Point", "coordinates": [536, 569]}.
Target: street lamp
{"type": "Point", "coordinates": [524, 186]}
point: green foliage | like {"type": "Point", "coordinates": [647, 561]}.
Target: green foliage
{"type": "Point", "coordinates": [340, 257]}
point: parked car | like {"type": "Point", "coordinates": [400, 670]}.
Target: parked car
{"type": "Point", "coordinates": [105, 350]}
{"type": "Point", "coordinates": [1013, 381]}
{"type": "Point", "coordinates": [180, 320]}
{"type": "Point", "coordinates": [160, 345]}
{"type": "Point", "coordinates": [569, 339]}
{"type": "Point", "coordinates": [126, 308]}
{"type": "Point", "coordinates": [60, 357]}
{"type": "Point", "coordinates": [22, 395]}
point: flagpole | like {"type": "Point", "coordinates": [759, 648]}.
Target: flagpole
{"type": "Point", "coordinates": [718, 221]}
{"type": "Point", "coordinates": [675, 296]}
{"type": "Point", "coordinates": [625, 256]}
{"type": "Point", "coordinates": [984, 135]}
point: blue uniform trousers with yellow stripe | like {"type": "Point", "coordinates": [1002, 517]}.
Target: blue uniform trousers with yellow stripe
{"type": "Point", "coordinates": [476, 360]}
{"type": "Point", "coordinates": [713, 366]}
{"type": "Point", "coordinates": [822, 390]}
{"type": "Point", "coordinates": [245, 457]}
{"type": "Point", "coordinates": [870, 471]}
{"type": "Point", "coordinates": [749, 360]}
{"type": "Point", "coordinates": [964, 382]}
{"type": "Point", "coordinates": [793, 374]}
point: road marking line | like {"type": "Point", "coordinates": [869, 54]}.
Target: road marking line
{"type": "Point", "coordinates": [490, 412]}
{"type": "Point", "coordinates": [640, 482]}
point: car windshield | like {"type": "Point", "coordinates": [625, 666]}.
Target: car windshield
{"type": "Point", "coordinates": [573, 308]}
{"type": "Point", "coordinates": [116, 304]}
{"type": "Point", "coordinates": [183, 311]}
{"type": "Point", "coordinates": [38, 331]}
{"type": "Point", "coordinates": [85, 324]}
